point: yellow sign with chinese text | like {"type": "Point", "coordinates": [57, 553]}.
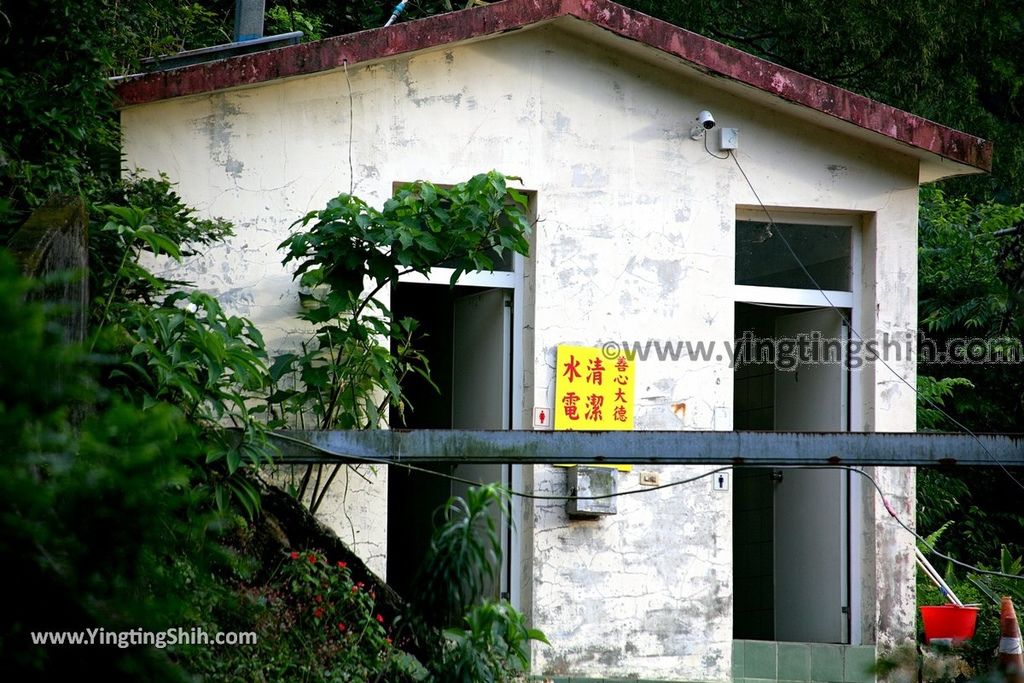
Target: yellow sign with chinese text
{"type": "Point", "coordinates": [593, 389]}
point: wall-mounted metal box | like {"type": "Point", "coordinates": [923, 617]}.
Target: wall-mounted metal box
{"type": "Point", "coordinates": [590, 481]}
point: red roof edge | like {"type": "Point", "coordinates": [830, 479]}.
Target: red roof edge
{"type": "Point", "coordinates": [705, 54]}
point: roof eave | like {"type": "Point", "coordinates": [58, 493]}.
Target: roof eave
{"type": "Point", "coordinates": [967, 153]}
{"type": "Point", "coordinates": [935, 167]}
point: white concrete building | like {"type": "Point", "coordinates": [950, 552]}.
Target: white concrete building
{"type": "Point", "coordinates": [644, 234]}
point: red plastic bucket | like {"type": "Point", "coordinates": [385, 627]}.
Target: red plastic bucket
{"type": "Point", "coordinates": [949, 622]}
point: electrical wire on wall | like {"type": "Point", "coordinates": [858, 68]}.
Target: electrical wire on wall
{"type": "Point", "coordinates": [646, 489]}
{"type": "Point", "coordinates": [727, 152]}
{"type": "Point", "coordinates": [351, 174]}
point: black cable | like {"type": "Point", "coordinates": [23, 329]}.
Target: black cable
{"type": "Point", "coordinates": [892, 513]}
{"type": "Point", "coordinates": [471, 482]}
{"type": "Point", "coordinates": [351, 174]}
{"type": "Point", "coordinates": [647, 489]}
{"type": "Point", "coordinates": [853, 330]}
{"type": "Point", "coordinates": [705, 136]}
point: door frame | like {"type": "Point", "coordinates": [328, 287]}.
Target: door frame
{"type": "Point", "coordinates": [513, 281]}
{"type": "Point", "coordinates": [852, 301]}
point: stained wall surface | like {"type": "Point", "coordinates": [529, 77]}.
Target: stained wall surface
{"type": "Point", "coordinates": [635, 242]}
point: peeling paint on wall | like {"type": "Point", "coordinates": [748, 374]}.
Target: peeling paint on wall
{"type": "Point", "coordinates": [635, 243]}
{"type": "Point", "coordinates": [219, 130]}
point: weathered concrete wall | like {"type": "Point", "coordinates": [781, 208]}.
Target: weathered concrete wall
{"type": "Point", "coordinates": [645, 592]}
{"type": "Point", "coordinates": [635, 242]}
{"type": "Point", "coordinates": [352, 508]}
{"type": "Point", "coordinates": [895, 569]}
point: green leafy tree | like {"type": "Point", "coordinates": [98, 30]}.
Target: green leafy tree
{"type": "Point", "coordinates": [56, 100]}
{"type": "Point", "coordinates": [971, 288]}
{"type": "Point", "coordinates": [175, 346]}
{"type": "Point", "coordinates": [100, 526]}
{"type": "Point", "coordinates": [485, 639]}
{"type": "Point", "coordinates": [56, 107]}
{"type": "Point", "coordinates": [969, 279]}
{"type": "Point", "coordinates": [347, 255]}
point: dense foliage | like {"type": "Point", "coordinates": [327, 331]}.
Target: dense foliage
{"type": "Point", "coordinates": [351, 369]}
{"type": "Point", "coordinates": [127, 495]}
{"type": "Point", "coordinates": [101, 527]}
{"type": "Point", "coordinates": [106, 523]}
{"type": "Point", "coordinates": [971, 287]}
{"type": "Point", "coordinates": [118, 520]}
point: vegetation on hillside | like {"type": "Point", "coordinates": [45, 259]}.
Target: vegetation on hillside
{"type": "Point", "coordinates": [127, 494]}
{"type": "Point", "coordinates": [131, 495]}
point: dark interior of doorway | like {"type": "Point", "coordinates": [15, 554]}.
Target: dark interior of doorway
{"type": "Point", "coordinates": [415, 497]}
{"type": "Point", "coordinates": [753, 489]}
{"type": "Point", "coordinates": [790, 527]}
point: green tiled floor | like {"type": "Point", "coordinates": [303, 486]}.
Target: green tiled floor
{"type": "Point", "coordinates": [574, 679]}
{"type": "Point", "coordinates": [759, 661]}
{"type": "Point", "coordinates": [794, 662]}
{"type": "Point", "coordinates": [756, 661]}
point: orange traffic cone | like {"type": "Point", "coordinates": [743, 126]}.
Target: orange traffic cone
{"type": "Point", "coordinates": [1011, 662]}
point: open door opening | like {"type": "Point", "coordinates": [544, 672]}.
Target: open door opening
{"type": "Point", "coordinates": [791, 527]}
{"type": "Point", "coordinates": [465, 333]}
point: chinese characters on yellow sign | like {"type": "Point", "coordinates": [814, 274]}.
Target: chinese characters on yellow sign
{"type": "Point", "coordinates": [593, 391]}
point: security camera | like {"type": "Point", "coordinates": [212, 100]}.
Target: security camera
{"type": "Point", "coordinates": [705, 122]}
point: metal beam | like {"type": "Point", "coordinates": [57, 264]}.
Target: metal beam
{"type": "Point", "coordinates": [655, 448]}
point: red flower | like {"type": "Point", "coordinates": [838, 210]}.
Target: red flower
{"type": "Point", "coordinates": [294, 555]}
{"type": "Point", "coordinates": [341, 627]}
{"type": "Point", "coordinates": [319, 598]}
{"type": "Point", "coordinates": [318, 612]}
{"type": "Point", "coordinates": [380, 618]}
{"type": "Point", "coordinates": [312, 557]}
{"type": "Point", "coordinates": [342, 565]}
{"type": "Point", "coordinates": [360, 584]}
{"type": "Point", "coordinates": [388, 639]}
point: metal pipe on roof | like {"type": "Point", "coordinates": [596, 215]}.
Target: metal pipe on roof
{"type": "Point", "coordinates": [249, 19]}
